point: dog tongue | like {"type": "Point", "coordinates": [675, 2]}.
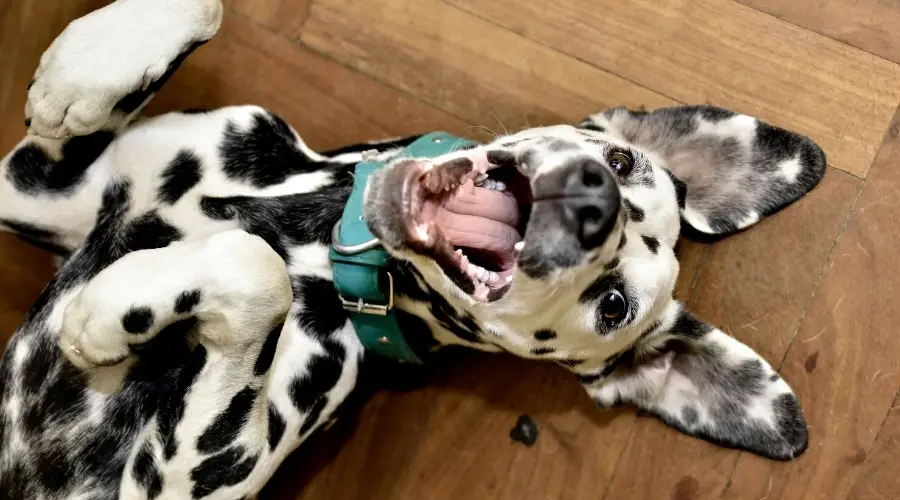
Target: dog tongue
{"type": "Point", "coordinates": [479, 218]}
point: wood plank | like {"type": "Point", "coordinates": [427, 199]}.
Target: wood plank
{"type": "Point", "coordinates": [721, 52]}
{"type": "Point", "coordinates": [284, 17]}
{"type": "Point", "coordinates": [329, 105]}
{"type": "Point", "coordinates": [877, 478]}
{"type": "Point", "coordinates": [469, 67]}
{"type": "Point", "coordinates": [755, 286]}
{"type": "Point", "coordinates": [871, 25]}
{"type": "Point", "coordinates": [844, 361]}
{"type": "Point", "coordinates": [448, 438]}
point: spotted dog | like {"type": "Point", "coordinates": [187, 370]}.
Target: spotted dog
{"type": "Point", "coordinates": [192, 337]}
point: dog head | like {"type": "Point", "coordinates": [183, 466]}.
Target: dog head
{"type": "Point", "coordinates": [558, 243]}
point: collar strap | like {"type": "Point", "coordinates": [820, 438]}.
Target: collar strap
{"type": "Point", "coordinates": [365, 287]}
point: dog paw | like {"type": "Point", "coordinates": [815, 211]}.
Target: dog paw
{"type": "Point", "coordinates": [102, 58]}
{"type": "Point", "coordinates": [92, 337]}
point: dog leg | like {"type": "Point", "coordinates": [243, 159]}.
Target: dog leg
{"type": "Point", "coordinates": [104, 67]}
{"type": "Point", "coordinates": [234, 284]}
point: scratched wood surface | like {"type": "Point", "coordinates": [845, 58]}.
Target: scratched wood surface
{"type": "Point", "coordinates": [813, 289]}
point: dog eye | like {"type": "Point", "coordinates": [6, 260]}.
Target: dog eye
{"type": "Point", "coordinates": [613, 306]}
{"type": "Point", "coordinates": [620, 162]}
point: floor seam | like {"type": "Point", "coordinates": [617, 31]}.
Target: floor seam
{"type": "Point", "coordinates": [297, 42]}
{"type": "Point", "coordinates": [823, 271]}
{"type": "Point", "coordinates": [612, 477]}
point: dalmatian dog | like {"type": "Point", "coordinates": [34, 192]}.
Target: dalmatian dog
{"type": "Point", "coordinates": [192, 337]}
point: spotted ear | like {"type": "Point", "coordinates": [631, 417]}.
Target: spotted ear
{"type": "Point", "coordinates": [706, 384]}
{"type": "Point", "coordinates": [732, 169]}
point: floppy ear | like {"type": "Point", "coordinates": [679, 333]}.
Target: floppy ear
{"type": "Point", "coordinates": [706, 384]}
{"type": "Point", "coordinates": [734, 168]}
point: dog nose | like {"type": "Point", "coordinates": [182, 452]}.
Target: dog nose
{"type": "Point", "coordinates": [591, 202]}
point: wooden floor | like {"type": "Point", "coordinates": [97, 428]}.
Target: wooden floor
{"type": "Point", "coordinates": [815, 289]}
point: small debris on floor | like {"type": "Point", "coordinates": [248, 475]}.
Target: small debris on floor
{"type": "Point", "coordinates": [525, 431]}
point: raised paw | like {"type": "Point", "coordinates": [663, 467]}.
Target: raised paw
{"type": "Point", "coordinates": [92, 75]}
{"type": "Point", "coordinates": [93, 335]}
{"type": "Point", "coordinates": [232, 282]}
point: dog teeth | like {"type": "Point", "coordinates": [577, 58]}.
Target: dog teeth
{"type": "Point", "coordinates": [493, 185]}
{"type": "Point", "coordinates": [519, 246]}
{"type": "Point", "coordinates": [480, 178]}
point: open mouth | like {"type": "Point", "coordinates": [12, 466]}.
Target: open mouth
{"type": "Point", "coordinates": [470, 215]}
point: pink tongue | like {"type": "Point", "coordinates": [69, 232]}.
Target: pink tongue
{"type": "Point", "coordinates": [481, 218]}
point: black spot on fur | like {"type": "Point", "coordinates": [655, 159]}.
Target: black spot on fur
{"type": "Point", "coordinates": [227, 468]}
{"type": "Point", "coordinates": [276, 426]}
{"type": "Point", "coordinates": [592, 126]}
{"type": "Point", "coordinates": [150, 231]}
{"type": "Point", "coordinates": [540, 351]}
{"type": "Point", "coordinates": [136, 99]}
{"type": "Point", "coordinates": [171, 410]}
{"type": "Point", "coordinates": [712, 113]}
{"type": "Point", "coordinates": [634, 212]}
{"type": "Point", "coordinates": [309, 392]}
{"type": "Point", "coordinates": [589, 378]}
{"type": "Point", "coordinates": [146, 473]}
{"type": "Point", "coordinates": [312, 418]}
{"type": "Point", "coordinates": [687, 325]}
{"type": "Point", "coordinates": [612, 264]}
{"type": "Point", "coordinates": [187, 301]}
{"type": "Point", "coordinates": [32, 170]}
{"type": "Point", "coordinates": [45, 239]}
{"type": "Point", "coordinates": [380, 146]}
{"type": "Point", "coordinates": [267, 353]}
{"type": "Point", "coordinates": [322, 311]}
{"type": "Point", "coordinates": [622, 242]}
{"type": "Point", "coordinates": [137, 320]}
{"type": "Point", "coordinates": [525, 431]}
{"type": "Point", "coordinates": [222, 431]}
{"type": "Point", "coordinates": [689, 415]}
{"type": "Point", "coordinates": [265, 154]}
{"type": "Point", "coordinates": [544, 334]}
{"type": "Point", "coordinates": [179, 177]}
{"type": "Point", "coordinates": [461, 324]}
{"type": "Point", "coordinates": [680, 189]}
{"type": "Point", "coordinates": [652, 243]}
{"type": "Point", "coordinates": [283, 220]}
{"type": "Point", "coordinates": [53, 467]}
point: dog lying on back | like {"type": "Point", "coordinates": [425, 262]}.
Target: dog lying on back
{"type": "Point", "coordinates": [192, 338]}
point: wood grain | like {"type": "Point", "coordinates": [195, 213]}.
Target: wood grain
{"type": "Point", "coordinates": [844, 362]}
{"type": "Point", "coordinates": [466, 66]}
{"type": "Point", "coordinates": [870, 25]}
{"type": "Point", "coordinates": [284, 17]}
{"type": "Point", "coordinates": [720, 52]}
{"type": "Point", "coordinates": [327, 104]}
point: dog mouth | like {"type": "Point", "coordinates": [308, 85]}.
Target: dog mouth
{"type": "Point", "coordinates": [469, 214]}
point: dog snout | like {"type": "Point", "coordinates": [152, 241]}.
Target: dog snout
{"type": "Point", "coordinates": [590, 201]}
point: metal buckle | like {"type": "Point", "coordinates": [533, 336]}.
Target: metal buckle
{"type": "Point", "coordinates": [349, 249]}
{"type": "Point", "coordinates": [362, 307]}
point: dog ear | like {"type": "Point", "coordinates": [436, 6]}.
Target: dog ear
{"type": "Point", "coordinates": [732, 169]}
{"type": "Point", "coordinates": [706, 384]}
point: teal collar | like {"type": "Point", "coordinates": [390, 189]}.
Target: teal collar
{"type": "Point", "coordinates": [359, 262]}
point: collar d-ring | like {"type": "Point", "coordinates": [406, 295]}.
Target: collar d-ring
{"type": "Point", "coordinates": [350, 249]}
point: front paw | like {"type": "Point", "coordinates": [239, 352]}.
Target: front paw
{"type": "Point", "coordinates": [109, 55]}
{"type": "Point", "coordinates": [90, 337]}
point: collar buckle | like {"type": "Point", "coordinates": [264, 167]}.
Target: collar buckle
{"type": "Point", "coordinates": [363, 307]}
